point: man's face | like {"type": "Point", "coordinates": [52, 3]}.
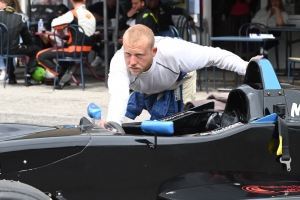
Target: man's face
{"type": "Point", "coordinates": [2, 5]}
{"type": "Point", "coordinates": [138, 56]}
{"type": "Point", "coordinates": [137, 4]}
{"type": "Point", "coordinates": [275, 3]}
{"type": "Point", "coordinates": [111, 2]}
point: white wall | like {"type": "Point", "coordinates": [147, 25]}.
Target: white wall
{"type": "Point", "coordinates": [24, 5]}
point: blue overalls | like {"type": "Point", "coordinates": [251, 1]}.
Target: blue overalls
{"type": "Point", "coordinates": [158, 107]}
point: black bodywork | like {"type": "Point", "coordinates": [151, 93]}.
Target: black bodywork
{"type": "Point", "coordinates": [232, 160]}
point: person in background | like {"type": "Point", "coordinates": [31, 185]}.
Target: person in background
{"type": "Point", "coordinates": [97, 10]}
{"type": "Point", "coordinates": [238, 12]}
{"type": "Point", "coordinates": [16, 24]}
{"type": "Point", "coordinates": [3, 75]}
{"type": "Point", "coordinates": [155, 68]}
{"type": "Point", "coordinates": [272, 15]}
{"type": "Point", "coordinates": [163, 14]}
{"type": "Point", "coordinates": [138, 14]}
{"type": "Point", "coordinates": [48, 39]}
{"type": "Point", "coordinates": [78, 16]}
{"type": "Point", "coordinates": [17, 8]}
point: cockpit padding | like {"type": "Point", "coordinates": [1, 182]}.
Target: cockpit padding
{"type": "Point", "coordinates": [253, 74]}
{"type": "Point", "coordinates": [237, 108]}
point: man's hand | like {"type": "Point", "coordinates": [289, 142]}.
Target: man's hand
{"type": "Point", "coordinates": [104, 124]}
{"type": "Point", "coordinates": [255, 57]}
{"type": "Point", "coordinates": [120, 40]}
{"type": "Point", "coordinates": [276, 10]}
{"type": "Point", "coordinates": [131, 12]}
{"type": "Point", "coordinates": [101, 123]}
{"type": "Point", "coordinates": [192, 22]}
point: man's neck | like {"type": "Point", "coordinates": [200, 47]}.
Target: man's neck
{"type": "Point", "coordinates": [75, 5]}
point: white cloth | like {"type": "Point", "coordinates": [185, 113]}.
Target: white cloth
{"type": "Point", "coordinates": [173, 56]}
{"type": "Point", "coordinates": [263, 17]}
{"type": "Point", "coordinates": [84, 18]}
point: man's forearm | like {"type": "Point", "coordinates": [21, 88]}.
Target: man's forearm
{"type": "Point", "coordinates": [98, 18]}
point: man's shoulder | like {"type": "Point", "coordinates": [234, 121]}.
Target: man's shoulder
{"type": "Point", "coordinates": [144, 10]}
{"type": "Point", "coordinates": [161, 40]}
{"type": "Point", "coordinates": [13, 15]}
{"type": "Point", "coordinates": [144, 13]}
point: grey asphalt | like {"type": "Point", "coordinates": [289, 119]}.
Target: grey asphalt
{"type": "Point", "coordinates": [39, 104]}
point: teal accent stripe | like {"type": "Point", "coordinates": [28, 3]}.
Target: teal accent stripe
{"type": "Point", "coordinates": [268, 75]}
{"type": "Point", "coordinates": [269, 119]}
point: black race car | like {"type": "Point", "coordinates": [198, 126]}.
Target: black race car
{"type": "Point", "coordinates": [247, 151]}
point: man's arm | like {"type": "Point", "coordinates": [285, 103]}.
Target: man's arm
{"type": "Point", "coordinates": [26, 37]}
{"type": "Point", "coordinates": [98, 17]}
{"type": "Point", "coordinates": [122, 22]}
{"type": "Point", "coordinates": [189, 57]}
{"type": "Point", "coordinates": [62, 20]}
{"type": "Point", "coordinates": [118, 84]}
{"type": "Point", "coordinates": [148, 19]}
{"type": "Point", "coordinates": [97, 10]}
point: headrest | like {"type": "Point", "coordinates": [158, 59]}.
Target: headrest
{"type": "Point", "coordinates": [262, 72]}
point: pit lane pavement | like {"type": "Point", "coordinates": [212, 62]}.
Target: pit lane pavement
{"type": "Point", "coordinates": [41, 105]}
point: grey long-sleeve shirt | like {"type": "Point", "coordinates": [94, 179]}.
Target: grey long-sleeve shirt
{"type": "Point", "coordinates": [173, 56]}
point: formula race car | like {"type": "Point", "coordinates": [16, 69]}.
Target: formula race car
{"type": "Point", "coordinates": [247, 151]}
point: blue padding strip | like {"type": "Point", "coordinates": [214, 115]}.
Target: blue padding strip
{"type": "Point", "coordinates": [269, 119]}
{"type": "Point", "coordinates": [268, 75]}
{"type": "Point", "coordinates": [162, 127]}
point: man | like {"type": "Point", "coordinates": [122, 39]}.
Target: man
{"type": "Point", "coordinates": [163, 13]}
{"type": "Point", "coordinates": [17, 27]}
{"type": "Point", "coordinates": [139, 14]}
{"type": "Point", "coordinates": [78, 16]}
{"type": "Point", "coordinates": [152, 65]}
{"type": "Point", "coordinates": [48, 40]}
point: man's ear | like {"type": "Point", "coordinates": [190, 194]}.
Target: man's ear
{"type": "Point", "coordinates": [154, 51]}
{"type": "Point", "coordinates": [143, 3]}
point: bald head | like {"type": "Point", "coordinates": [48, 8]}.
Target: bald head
{"type": "Point", "coordinates": [138, 33]}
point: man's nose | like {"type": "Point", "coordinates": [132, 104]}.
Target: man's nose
{"type": "Point", "coordinates": [132, 60]}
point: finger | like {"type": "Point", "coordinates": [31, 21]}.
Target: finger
{"type": "Point", "coordinates": [101, 123]}
{"type": "Point", "coordinates": [257, 57]}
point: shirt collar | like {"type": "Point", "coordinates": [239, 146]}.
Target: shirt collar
{"type": "Point", "coordinates": [81, 6]}
{"type": "Point", "coordinates": [9, 9]}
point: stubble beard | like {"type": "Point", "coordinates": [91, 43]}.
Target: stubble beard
{"type": "Point", "coordinates": [148, 66]}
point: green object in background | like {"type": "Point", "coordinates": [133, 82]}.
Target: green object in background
{"type": "Point", "coordinates": [39, 74]}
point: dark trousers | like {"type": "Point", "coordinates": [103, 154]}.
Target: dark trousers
{"type": "Point", "coordinates": [45, 57]}
{"type": "Point", "coordinates": [236, 21]}
{"type": "Point", "coordinates": [30, 51]}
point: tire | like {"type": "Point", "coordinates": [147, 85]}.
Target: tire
{"type": "Point", "coordinates": [13, 190]}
